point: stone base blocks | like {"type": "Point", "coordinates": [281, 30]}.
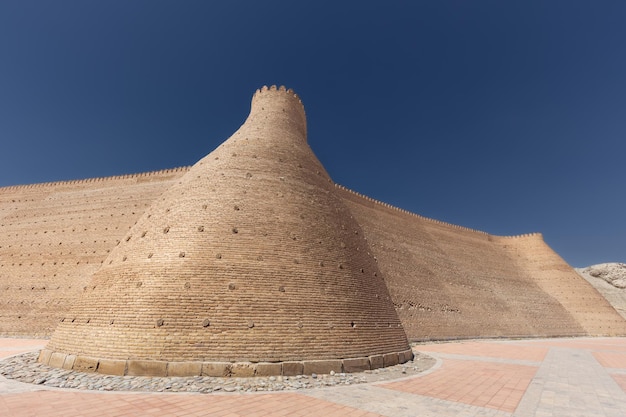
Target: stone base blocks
{"type": "Point", "coordinates": [220, 369]}
{"type": "Point", "coordinates": [322, 366]}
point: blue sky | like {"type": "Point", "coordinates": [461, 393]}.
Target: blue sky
{"type": "Point", "coordinates": [503, 116]}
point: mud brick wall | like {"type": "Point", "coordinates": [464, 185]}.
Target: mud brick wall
{"type": "Point", "coordinates": [250, 256]}
{"type": "Point", "coordinates": [54, 236]}
{"type": "Point", "coordinates": [263, 207]}
{"type": "Point", "coordinates": [533, 257]}
{"type": "Point", "coordinates": [448, 281]}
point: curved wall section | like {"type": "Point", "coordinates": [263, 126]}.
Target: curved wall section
{"type": "Point", "coordinates": [259, 222]}
{"type": "Point", "coordinates": [250, 257]}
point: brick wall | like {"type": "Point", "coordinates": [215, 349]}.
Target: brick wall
{"type": "Point", "coordinates": [54, 236]}
{"type": "Point", "coordinates": [445, 281]}
{"type": "Point", "coordinates": [448, 281]}
{"type": "Point", "coordinates": [250, 256]}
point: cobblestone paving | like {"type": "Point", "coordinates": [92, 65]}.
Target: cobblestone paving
{"type": "Point", "coordinates": [517, 378]}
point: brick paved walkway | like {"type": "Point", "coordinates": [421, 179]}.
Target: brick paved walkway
{"type": "Point", "coordinates": [544, 377]}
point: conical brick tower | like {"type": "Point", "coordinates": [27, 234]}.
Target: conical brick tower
{"type": "Point", "coordinates": [249, 265]}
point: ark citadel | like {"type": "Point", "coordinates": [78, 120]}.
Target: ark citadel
{"type": "Point", "coordinates": [254, 262]}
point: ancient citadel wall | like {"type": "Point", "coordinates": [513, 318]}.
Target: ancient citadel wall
{"type": "Point", "coordinates": [441, 277]}
{"type": "Point", "coordinates": [553, 275]}
{"type": "Point", "coordinates": [54, 236]}
{"type": "Point", "coordinates": [249, 259]}
{"type": "Point", "coordinates": [449, 281]}
{"type": "Point", "coordinates": [445, 281]}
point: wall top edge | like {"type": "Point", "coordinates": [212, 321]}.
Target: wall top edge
{"type": "Point", "coordinates": [439, 222]}
{"type": "Point", "coordinates": [95, 179]}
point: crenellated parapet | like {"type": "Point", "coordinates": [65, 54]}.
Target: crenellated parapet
{"type": "Point", "coordinates": [278, 107]}
{"type": "Point", "coordinates": [435, 221]}
{"type": "Point", "coordinates": [87, 181]}
{"type": "Point", "coordinates": [535, 235]}
{"type": "Point", "coordinates": [410, 213]}
{"type": "Point", "coordinates": [260, 264]}
{"type": "Point", "coordinates": [280, 90]}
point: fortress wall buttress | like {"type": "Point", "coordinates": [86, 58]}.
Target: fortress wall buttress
{"type": "Point", "coordinates": [451, 282]}
{"type": "Point", "coordinates": [586, 305]}
{"type": "Point", "coordinates": [444, 280]}
{"type": "Point", "coordinates": [54, 236]}
{"type": "Point", "coordinates": [250, 257]}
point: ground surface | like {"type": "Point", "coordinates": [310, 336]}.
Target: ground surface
{"type": "Point", "coordinates": [542, 377]}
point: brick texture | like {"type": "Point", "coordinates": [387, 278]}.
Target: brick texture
{"type": "Point", "coordinates": [249, 257]}
{"type": "Point", "coordinates": [173, 264]}
{"type": "Point", "coordinates": [54, 236]}
{"type": "Point", "coordinates": [448, 281]}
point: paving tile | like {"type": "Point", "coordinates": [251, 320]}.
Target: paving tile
{"type": "Point", "coordinates": [620, 380]}
{"type": "Point", "coordinates": [488, 349]}
{"type": "Point", "coordinates": [10, 347]}
{"type": "Point", "coordinates": [607, 344]}
{"type": "Point", "coordinates": [492, 385]}
{"type": "Point", "coordinates": [64, 403]}
{"type": "Point", "coordinates": [611, 359]}
{"type": "Point", "coordinates": [543, 377]}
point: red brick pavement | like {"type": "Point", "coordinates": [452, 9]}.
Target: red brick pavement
{"type": "Point", "coordinates": [10, 347]}
{"type": "Point", "coordinates": [621, 380]}
{"type": "Point", "coordinates": [487, 349]}
{"type": "Point", "coordinates": [484, 384]}
{"type": "Point", "coordinates": [480, 374]}
{"type": "Point", "coordinates": [611, 359]}
{"type": "Point", "coordinates": [608, 344]}
{"type": "Point", "coordinates": [65, 403]}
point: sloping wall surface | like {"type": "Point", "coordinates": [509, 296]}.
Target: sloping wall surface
{"type": "Point", "coordinates": [54, 236]}
{"type": "Point", "coordinates": [448, 281]}
{"type": "Point", "coordinates": [249, 257]}
{"type": "Point", "coordinates": [445, 281]}
{"type": "Point", "coordinates": [554, 276]}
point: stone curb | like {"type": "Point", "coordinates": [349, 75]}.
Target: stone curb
{"type": "Point", "coordinates": [133, 367]}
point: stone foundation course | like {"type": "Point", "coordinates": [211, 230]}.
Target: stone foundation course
{"type": "Point", "coordinates": [220, 369]}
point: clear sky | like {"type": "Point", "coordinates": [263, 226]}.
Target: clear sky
{"type": "Point", "coordinates": [503, 116]}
